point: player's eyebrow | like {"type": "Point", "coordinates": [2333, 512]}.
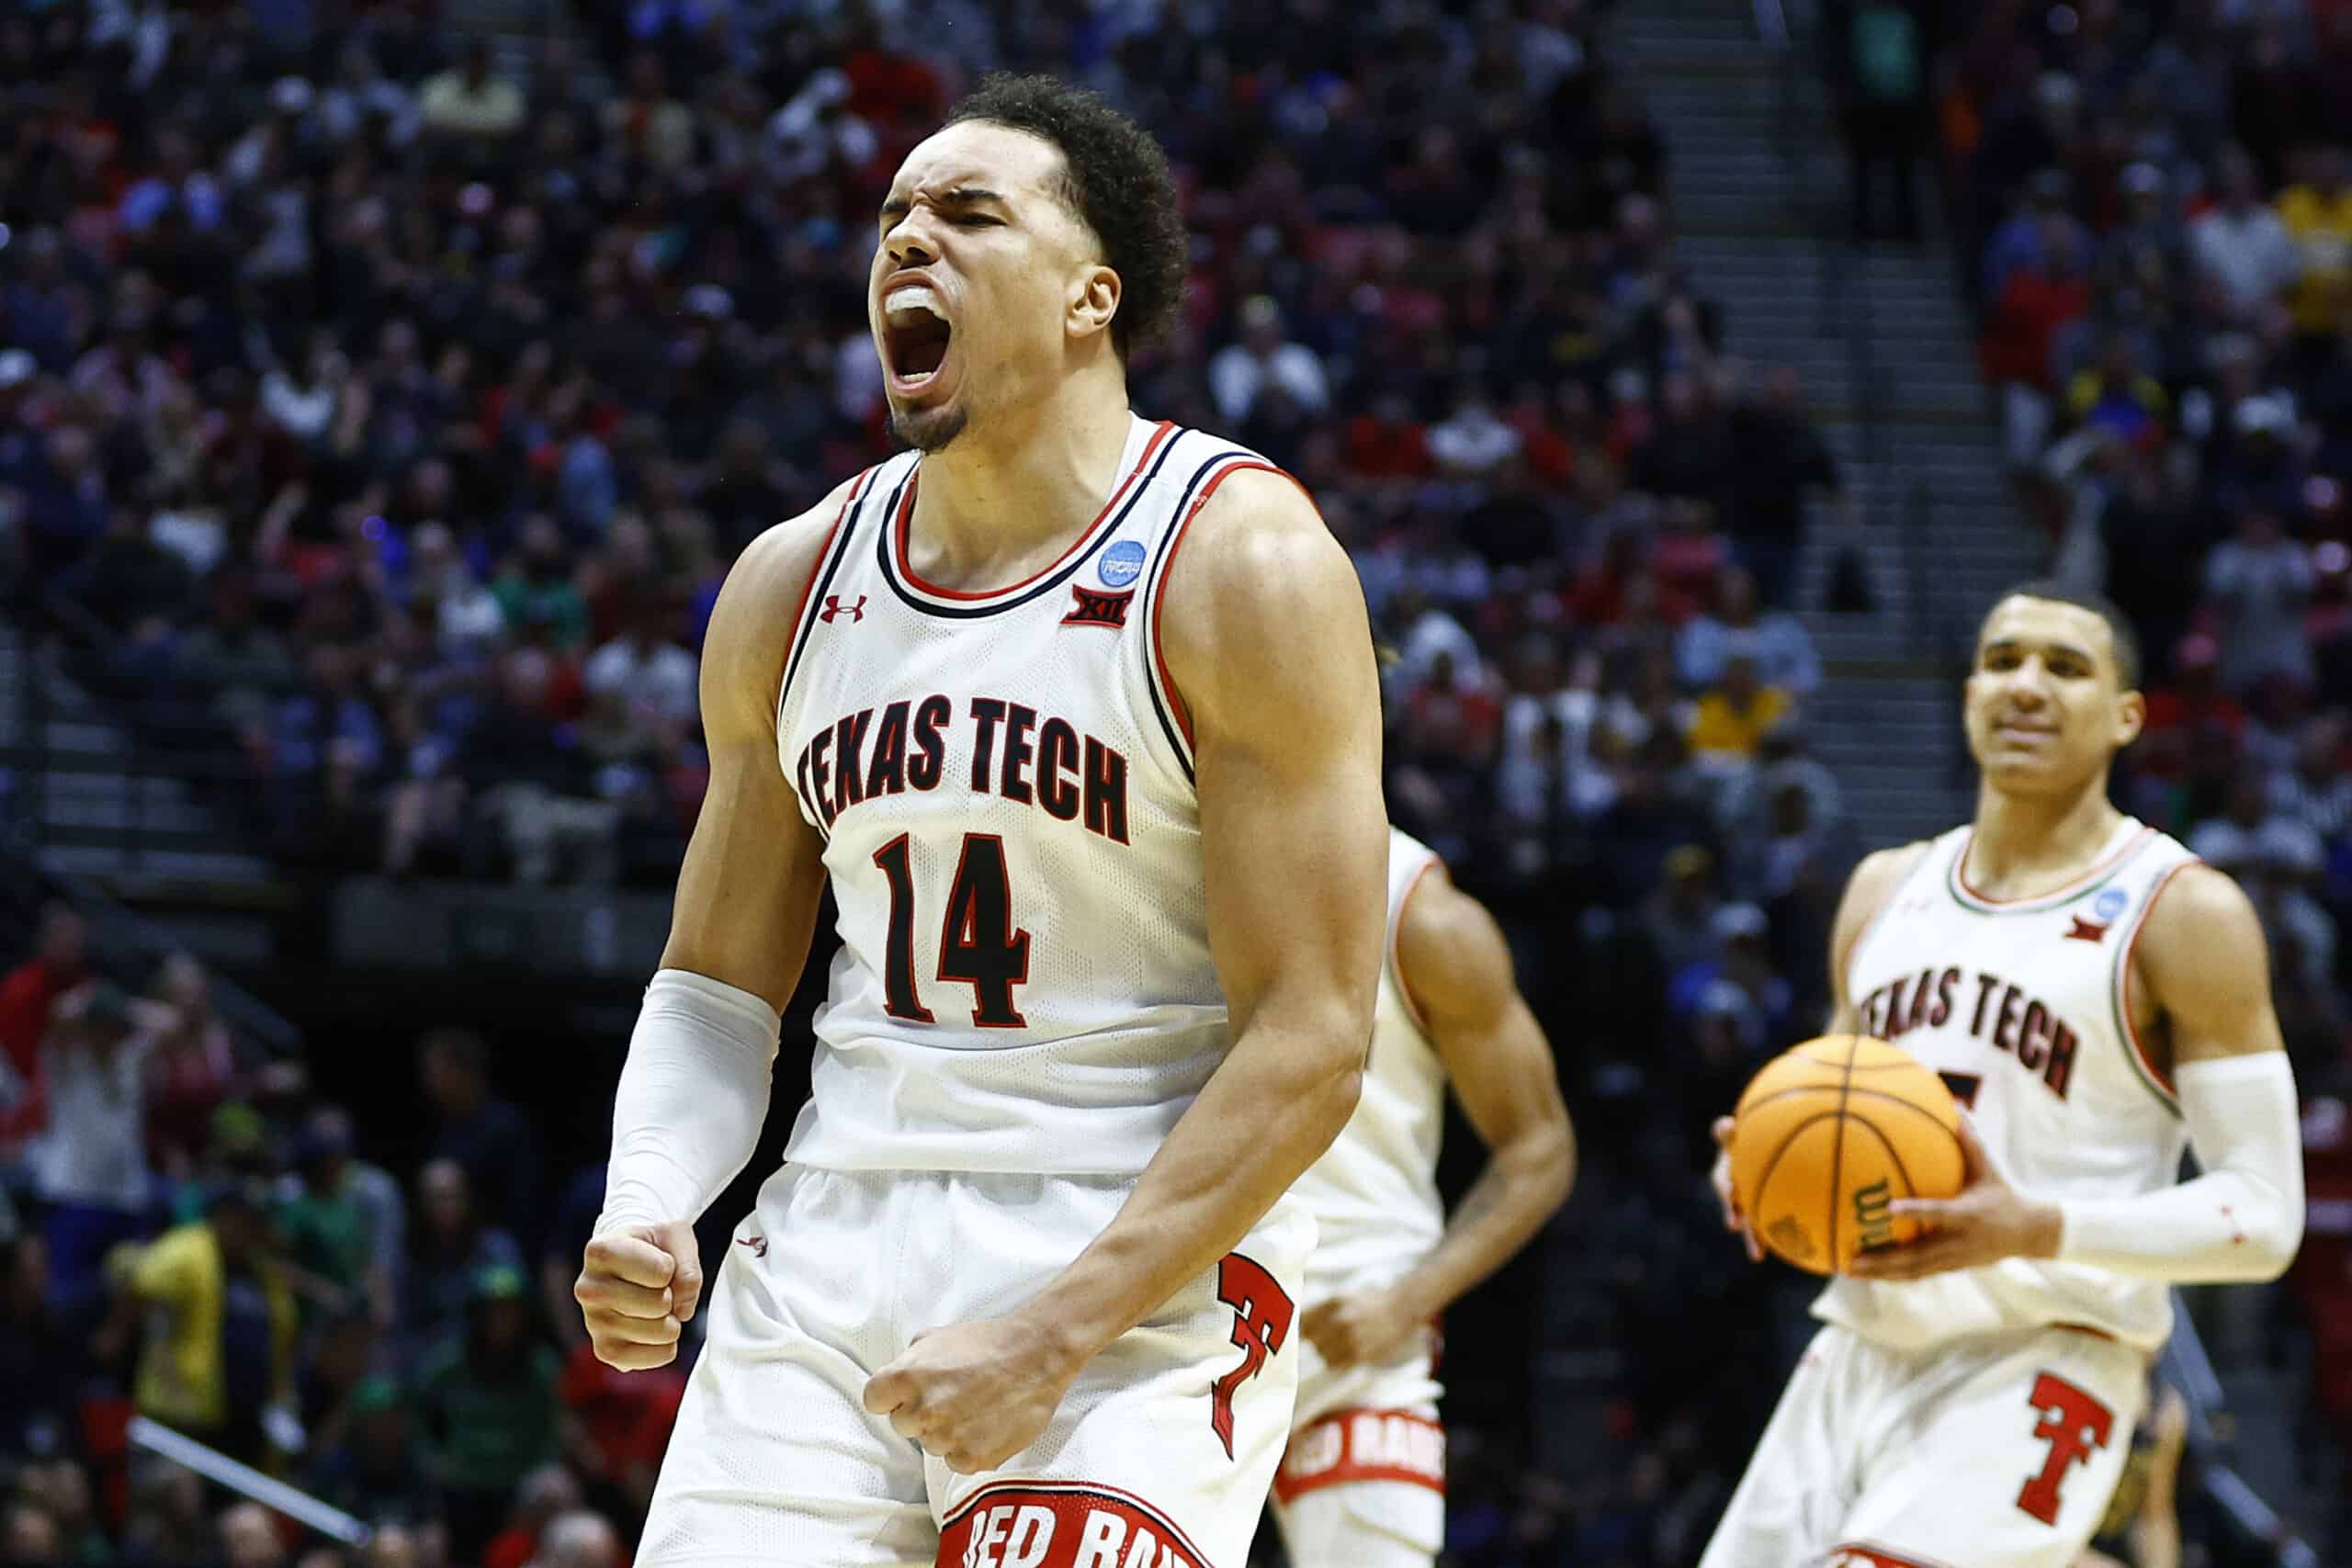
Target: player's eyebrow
{"type": "Point", "coordinates": [2014, 645]}
{"type": "Point", "coordinates": [954, 196]}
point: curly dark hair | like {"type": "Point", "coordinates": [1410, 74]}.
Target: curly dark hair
{"type": "Point", "coordinates": [1115, 179]}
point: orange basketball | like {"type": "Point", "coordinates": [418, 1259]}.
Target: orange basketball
{"type": "Point", "coordinates": [1830, 1134]}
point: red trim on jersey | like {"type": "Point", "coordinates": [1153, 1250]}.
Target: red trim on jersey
{"type": "Point", "coordinates": [1323, 1453]}
{"type": "Point", "coordinates": [1959, 871]}
{"type": "Point", "coordinates": [1395, 964]}
{"type": "Point", "coordinates": [2130, 1029]}
{"type": "Point", "coordinates": [898, 527]}
{"type": "Point", "coordinates": [1168, 570]}
{"type": "Point", "coordinates": [1062, 1499]}
{"type": "Point", "coordinates": [817, 567]}
{"type": "Point", "coordinates": [1860, 1554]}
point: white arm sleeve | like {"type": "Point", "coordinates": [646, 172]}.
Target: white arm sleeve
{"type": "Point", "coordinates": [692, 1098]}
{"type": "Point", "coordinates": [2243, 1218]}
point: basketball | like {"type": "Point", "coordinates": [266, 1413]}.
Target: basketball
{"type": "Point", "coordinates": [1827, 1136]}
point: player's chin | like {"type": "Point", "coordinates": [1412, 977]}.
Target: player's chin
{"type": "Point", "coordinates": [2027, 768]}
{"type": "Point", "coordinates": [927, 426]}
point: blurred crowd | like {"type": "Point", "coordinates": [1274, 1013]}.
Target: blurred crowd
{"type": "Point", "coordinates": [190, 1237]}
{"type": "Point", "coordinates": [382, 398]}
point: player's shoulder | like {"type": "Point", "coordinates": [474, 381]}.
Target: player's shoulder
{"type": "Point", "coordinates": [1444, 936]}
{"type": "Point", "coordinates": [778, 562]}
{"type": "Point", "coordinates": [1258, 596]}
{"type": "Point", "coordinates": [1877, 873]}
{"type": "Point", "coordinates": [2197, 915]}
{"type": "Point", "coordinates": [758, 604]}
{"type": "Point", "coordinates": [1255, 533]}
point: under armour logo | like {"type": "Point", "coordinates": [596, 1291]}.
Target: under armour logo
{"type": "Point", "coordinates": [2084, 931]}
{"type": "Point", "coordinates": [758, 1244]}
{"type": "Point", "coordinates": [2237, 1233]}
{"type": "Point", "coordinates": [834, 606]}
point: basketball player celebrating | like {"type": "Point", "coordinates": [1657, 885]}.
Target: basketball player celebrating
{"type": "Point", "coordinates": [1078, 715]}
{"type": "Point", "coordinates": [1364, 1482]}
{"type": "Point", "coordinates": [2097, 1000]}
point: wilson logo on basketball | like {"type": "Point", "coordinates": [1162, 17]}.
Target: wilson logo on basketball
{"type": "Point", "coordinates": [1873, 1220]}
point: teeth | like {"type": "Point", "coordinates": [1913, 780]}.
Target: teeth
{"type": "Point", "coordinates": [914, 298]}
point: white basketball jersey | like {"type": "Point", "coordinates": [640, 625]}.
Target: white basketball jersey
{"type": "Point", "coordinates": [2023, 1008]}
{"type": "Point", "coordinates": [1374, 1194]}
{"type": "Point", "coordinates": [1004, 788]}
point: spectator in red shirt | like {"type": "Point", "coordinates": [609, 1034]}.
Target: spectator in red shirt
{"type": "Point", "coordinates": [26, 997]}
{"type": "Point", "coordinates": [2194, 699]}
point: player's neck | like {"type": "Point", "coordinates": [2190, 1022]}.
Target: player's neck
{"type": "Point", "coordinates": [990, 504]}
{"type": "Point", "coordinates": [2026, 844]}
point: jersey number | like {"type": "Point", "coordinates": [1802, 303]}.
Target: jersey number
{"type": "Point", "coordinates": [978, 944]}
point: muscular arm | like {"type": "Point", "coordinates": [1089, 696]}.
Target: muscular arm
{"type": "Point", "coordinates": [1266, 638]}
{"type": "Point", "coordinates": [695, 1091]}
{"type": "Point", "coordinates": [2208, 971]}
{"type": "Point", "coordinates": [1454, 963]}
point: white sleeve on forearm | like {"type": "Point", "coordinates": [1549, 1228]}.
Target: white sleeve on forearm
{"type": "Point", "coordinates": [2243, 1218]}
{"type": "Point", "coordinates": [692, 1098]}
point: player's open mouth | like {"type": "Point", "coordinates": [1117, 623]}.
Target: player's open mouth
{"type": "Point", "coordinates": [915, 335]}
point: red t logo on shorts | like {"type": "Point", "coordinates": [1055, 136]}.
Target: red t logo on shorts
{"type": "Point", "coordinates": [2075, 1424]}
{"type": "Point", "coordinates": [1262, 1314]}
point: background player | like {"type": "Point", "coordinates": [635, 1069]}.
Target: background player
{"type": "Point", "coordinates": [2098, 1001]}
{"type": "Point", "coordinates": [1363, 1484]}
{"type": "Point", "coordinates": [1091, 1018]}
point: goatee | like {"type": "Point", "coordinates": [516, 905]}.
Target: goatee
{"type": "Point", "coordinates": [928, 429]}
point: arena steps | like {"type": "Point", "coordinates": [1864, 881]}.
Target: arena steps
{"type": "Point", "coordinates": [1886, 351]}
{"type": "Point", "coordinates": [88, 796]}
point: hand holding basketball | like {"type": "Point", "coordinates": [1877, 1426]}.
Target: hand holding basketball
{"type": "Point", "coordinates": [1826, 1137]}
{"type": "Point", "coordinates": [637, 1287]}
{"type": "Point", "coordinates": [1728, 1195]}
{"type": "Point", "coordinates": [974, 1393]}
{"type": "Point", "coordinates": [1988, 1221]}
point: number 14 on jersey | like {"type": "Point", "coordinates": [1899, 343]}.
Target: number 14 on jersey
{"type": "Point", "coordinates": [978, 944]}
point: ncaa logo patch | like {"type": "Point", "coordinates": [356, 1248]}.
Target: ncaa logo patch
{"type": "Point", "coordinates": [1122, 563]}
{"type": "Point", "coordinates": [2109, 904]}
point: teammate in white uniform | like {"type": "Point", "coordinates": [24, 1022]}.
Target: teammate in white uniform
{"type": "Point", "coordinates": [1364, 1482]}
{"type": "Point", "coordinates": [2099, 1002]}
{"type": "Point", "coordinates": [1103, 821]}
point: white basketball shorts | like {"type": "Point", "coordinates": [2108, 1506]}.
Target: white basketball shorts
{"type": "Point", "coordinates": [1363, 1482]}
{"type": "Point", "coordinates": [1992, 1453]}
{"type": "Point", "coordinates": [1160, 1457]}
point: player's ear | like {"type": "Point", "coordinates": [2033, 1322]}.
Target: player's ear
{"type": "Point", "coordinates": [1094, 301]}
{"type": "Point", "coordinates": [2131, 717]}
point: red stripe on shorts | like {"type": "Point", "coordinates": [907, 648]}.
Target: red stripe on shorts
{"type": "Point", "coordinates": [1363, 1445]}
{"type": "Point", "coordinates": [1050, 1524]}
{"type": "Point", "coordinates": [1854, 1554]}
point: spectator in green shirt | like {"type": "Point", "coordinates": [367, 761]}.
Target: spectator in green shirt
{"type": "Point", "coordinates": [346, 1222]}
{"type": "Point", "coordinates": [537, 588]}
{"type": "Point", "coordinates": [486, 1399]}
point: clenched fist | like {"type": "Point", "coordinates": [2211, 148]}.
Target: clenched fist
{"type": "Point", "coordinates": [637, 1287]}
{"type": "Point", "coordinates": [1370, 1328]}
{"type": "Point", "coordinates": [975, 1393]}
